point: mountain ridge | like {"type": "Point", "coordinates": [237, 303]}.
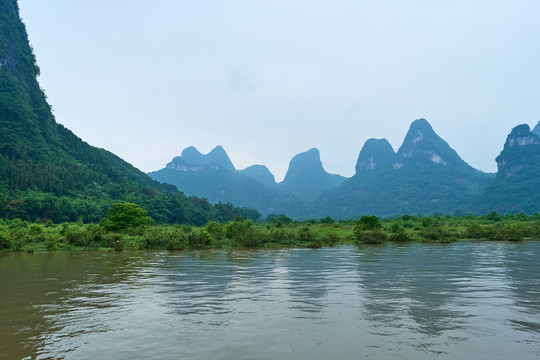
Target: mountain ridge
{"type": "Point", "coordinates": [425, 176]}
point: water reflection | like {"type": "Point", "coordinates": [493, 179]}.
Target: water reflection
{"type": "Point", "coordinates": [470, 300]}
{"type": "Point", "coordinates": [524, 284]}
{"type": "Point", "coordinates": [422, 295]}
{"type": "Point", "coordinates": [308, 281]}
{"type": "Point", "coordinates": [53, 296]}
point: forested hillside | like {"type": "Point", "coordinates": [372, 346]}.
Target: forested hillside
{"type": "Point", "coordinates": [47, 172]}
{"type": "Point", "coordinates": [426, 176]}
{"type": "Point", "coordinates": [515, 189]}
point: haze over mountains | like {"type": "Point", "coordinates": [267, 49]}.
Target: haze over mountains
{"type": "Point", "coordinates": [213, 176]}
{"type": "Point", "coordinates": [425, 176]}
{"type": "Point", "coordinates": [47, 172]}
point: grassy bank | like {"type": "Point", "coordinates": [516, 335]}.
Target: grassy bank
{"type": "Point", "coordinates": [279, 232]}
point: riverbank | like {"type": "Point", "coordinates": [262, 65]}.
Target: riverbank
{"type": "Point", "coordinates": [279, 232]}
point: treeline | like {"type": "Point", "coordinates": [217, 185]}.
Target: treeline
{"type": "Point", "coordinates": [164, 208]}
{"type": "Point", "coordinates": [128, 227]}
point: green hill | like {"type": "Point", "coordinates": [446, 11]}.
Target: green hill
{"type": "Point", "coordinates": [47, 172]}
{"type": "Point", "coordinates": [426, 176]}
{"type": "Point", "coordinates": [515, 189]}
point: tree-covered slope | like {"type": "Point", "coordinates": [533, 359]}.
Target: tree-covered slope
{"type": "Point", "coordinates": [48, 172]}
{"type": "Point", "coordinates": [515, 189]}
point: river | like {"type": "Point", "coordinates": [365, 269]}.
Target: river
{"type": "Point", "coordinates": [466, 300]}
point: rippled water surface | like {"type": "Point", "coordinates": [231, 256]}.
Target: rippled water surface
{"type": "Point", "coordinates": [459, 301]}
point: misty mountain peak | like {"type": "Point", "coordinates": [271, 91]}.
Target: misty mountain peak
{"type": "Point", "coordinates": [375, 154]}
{"type": "Point", "coordinates": [521, 151]}
{"type": "Point", "coordinates": [521, 135]}
{"type": "Point", "coordinates": [419, 137]}
{"type": "Point", "coordinates": [193, 160]}
{"type": "Point", "coordinates": [423, 145]}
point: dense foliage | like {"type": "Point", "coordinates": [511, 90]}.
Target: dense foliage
{"type": "Point", "coordinates": [128, 227]}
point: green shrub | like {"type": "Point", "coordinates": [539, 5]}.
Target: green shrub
{"type": "Point", "coordinates": [511, 232]}
{"type": "Point", "coordinates": [75, 234]}
{"type": "Point", "coordinates": [34, 230]}
{"type": "Point", "coordinates": [331, 239]}
{"type": "Point", "coordinates": [315, 243]}
{"type": "Point", "coordinates": [5, 242]}
{"type": "Point", "coordinates": [113, 240]}
{"type": "Point", "coordinates": [282, 237]}
{"type": "Point", "coordinates": [199, 240]}
{"type": "Point", "coordinates": [216, 229]}
{"type": "Point", "coordinates": [400, 235]}
{"type": "Point", "coordinates": [52, 243]}
{"type": "Point", "coordinates": [306, 235]}
{"type": "Point", "coordinates": [243, 233]}
{"type": "Point", "coordinates": [476, 231]}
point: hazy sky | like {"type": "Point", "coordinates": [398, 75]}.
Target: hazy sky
{"type": "Point", "coordinates": [268, 79]}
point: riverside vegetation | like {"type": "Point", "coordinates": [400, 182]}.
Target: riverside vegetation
{"type": "Point", "coordinates": [127, 227]}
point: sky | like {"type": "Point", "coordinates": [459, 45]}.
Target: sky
{"type": "Point", "coordinates": [268, 79]}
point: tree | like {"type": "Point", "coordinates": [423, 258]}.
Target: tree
{"type": "Point", "coordinates": [122, 216]}
{"type": "Point", "coordinates": [369, 222]}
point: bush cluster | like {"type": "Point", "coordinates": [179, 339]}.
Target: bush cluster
{"type": "Point", "coordinates": [132, 229]}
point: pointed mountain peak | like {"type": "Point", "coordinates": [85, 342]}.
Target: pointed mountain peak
{"type": "Point", "coordinates": [521, 135]}
{"type": "Point", "coordinates": [218, 156]}
{"type": "Point", "coordinates": [419, 131]}
{"type": "Point", "coordinates": [375, 153]}
{"type": "Point", "coordinates": [536, 129]}
{"type": "Point", "coordinates": [422, 145]}
{"type": "Point", "coordinates": [261, 174]}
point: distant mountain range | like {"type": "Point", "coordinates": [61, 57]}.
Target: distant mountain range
{"type": "Point", "coordinates": [48, 173]}
{"type": "Point", "coordinates": [425, 176]}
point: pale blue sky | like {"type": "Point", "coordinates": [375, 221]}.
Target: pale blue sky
{"type": "Point", "coordinates": [267, 79]}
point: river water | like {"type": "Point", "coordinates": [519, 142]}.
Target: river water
{"type": "Point", "coordinates": [465, 300]}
